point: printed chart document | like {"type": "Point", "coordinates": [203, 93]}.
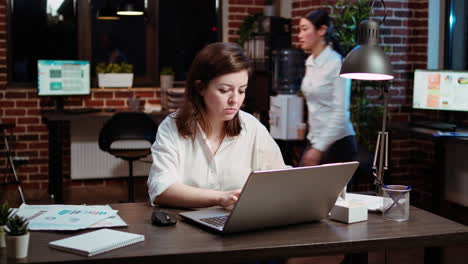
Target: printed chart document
{"type": "Point", "coordinates": [111, 221]}
{"type": "Point", "coordinates": [97, 242]}
{"type": "Point", "coordinates": [69, 217]}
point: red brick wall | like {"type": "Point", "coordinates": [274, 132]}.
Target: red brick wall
{"type": "Point", "coordinates": [237, 10]}
{"type": "Point", "coordinates": [404, 32]}
{"type": "Point", "coordinates": [23, 107]}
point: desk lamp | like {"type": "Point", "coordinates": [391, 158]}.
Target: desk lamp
{"type": "Point", "coordinates": [367, 61]}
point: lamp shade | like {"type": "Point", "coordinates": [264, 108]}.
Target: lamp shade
{"type": "Point", "coordinates": [129, 9]}
{"type": "Point", "coordinates": [367, 61]}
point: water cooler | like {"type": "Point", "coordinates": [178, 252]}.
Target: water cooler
{"type": "Point", "coordinates": [286, 116]}
{"type": "Point", "coordinates": [287, 108]}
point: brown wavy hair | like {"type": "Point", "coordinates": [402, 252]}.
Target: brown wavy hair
{"type": "Point", "coordinates": [212, 61]}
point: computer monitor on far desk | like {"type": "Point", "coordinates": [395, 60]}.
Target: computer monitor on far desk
{"type": "Point", "coordinates": [440, 90]}
{"type": "Point", "coordinates": [61, 78]}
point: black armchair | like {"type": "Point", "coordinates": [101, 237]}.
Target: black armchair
{"type": "Point", "coordinates": [129, 136]}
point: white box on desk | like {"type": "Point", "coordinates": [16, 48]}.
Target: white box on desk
{"type": "Point", "coordinates": [349, 211]}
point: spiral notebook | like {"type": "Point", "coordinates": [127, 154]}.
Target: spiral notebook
{"type": "Point", "coordinates": [97, 242]}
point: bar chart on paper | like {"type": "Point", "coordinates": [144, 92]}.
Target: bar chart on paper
{"type": "Point", "coordinates": [68, 219]}
{"type": "Point", "coordinates": [64, 217]}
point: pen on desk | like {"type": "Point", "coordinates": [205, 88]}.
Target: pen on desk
{"type": "Point", "coordinates": [379, 180]}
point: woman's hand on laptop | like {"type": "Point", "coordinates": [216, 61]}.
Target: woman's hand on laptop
{"type": "Point", "coordinates": [229, 198]}
{"type": "Point", "coordinates": [311, 157]}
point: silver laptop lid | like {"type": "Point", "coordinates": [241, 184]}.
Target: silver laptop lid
{"type": "Point", "coordinates": [289, 196]}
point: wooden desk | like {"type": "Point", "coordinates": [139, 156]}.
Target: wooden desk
{"type": "Point", "coordinates": [187, 243]}
{"type": "Point", "coordinates": [55, 123]}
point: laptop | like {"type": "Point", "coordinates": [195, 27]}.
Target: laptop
{"type": "Point", "coordinates": [280, 197]}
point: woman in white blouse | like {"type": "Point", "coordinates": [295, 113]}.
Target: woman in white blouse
{"type": "Point", "coordinates": [331, 134]}
{"type": "Point", "coordinates": [205, 151]}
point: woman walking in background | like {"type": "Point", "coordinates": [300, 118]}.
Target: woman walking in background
{"type": "Point", "coordinates": [331, 134]}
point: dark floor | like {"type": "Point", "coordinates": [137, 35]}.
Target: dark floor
{"type": "Point", "coordinates": [117, 193]}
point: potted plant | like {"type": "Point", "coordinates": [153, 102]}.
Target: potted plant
{"type": "Point", "coordinates": [5, 212]}
{"type": "Point", "coordinates": [115, 74]}
{"type": "Point", "coordinates": [247, 28]}
{"type": "Point", "coordinates": [17, 238]}
{"type": "Point", "coordinates": [166, 79]}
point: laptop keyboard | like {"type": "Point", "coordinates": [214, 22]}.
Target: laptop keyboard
{"type": "Point", "coordinates": [216, 221]}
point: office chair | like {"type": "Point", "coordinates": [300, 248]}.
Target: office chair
{"type": "Point", "coordinates": [129, 136]}
{"type": "Point", "coordinates": [13, 161]}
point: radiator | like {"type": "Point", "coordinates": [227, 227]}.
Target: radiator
{"type": "Point", "coordinates": [89, 162]}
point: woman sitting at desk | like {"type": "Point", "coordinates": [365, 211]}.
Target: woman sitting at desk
{"type": "Point", "coordinates": [205, 151]}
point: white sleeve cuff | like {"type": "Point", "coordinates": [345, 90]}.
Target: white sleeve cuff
{"type": "Point", "coordinates": [322, 146]}
{"type": "Point", "coordinates": [157, 187]}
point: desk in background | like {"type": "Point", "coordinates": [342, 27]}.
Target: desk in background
{"type": "Point", "coordinates": [187, 243]}
{"type": "Point", "coordinates": [438, 175]}
{"type": "Point", "coordinates": [55, 124]}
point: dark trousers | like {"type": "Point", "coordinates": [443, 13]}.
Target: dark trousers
{"type": "Point", "coordinates": [343, 150]}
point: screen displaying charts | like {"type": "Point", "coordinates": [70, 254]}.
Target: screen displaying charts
{"type": "Point", "coordinates": [63, 77]}
{"type": "Point", "coordinates": [440, 90]}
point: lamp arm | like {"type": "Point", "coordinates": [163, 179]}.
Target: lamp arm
{"type": "Point", "coordinates": [381, 148]}
{"type": "Point", "coordinates": [385, 108]}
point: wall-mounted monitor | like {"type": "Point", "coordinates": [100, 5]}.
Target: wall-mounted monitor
{"type": "Point", "coordinates": [63, 77]}
{"type": "Point", "coordinates": [440, 90]}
